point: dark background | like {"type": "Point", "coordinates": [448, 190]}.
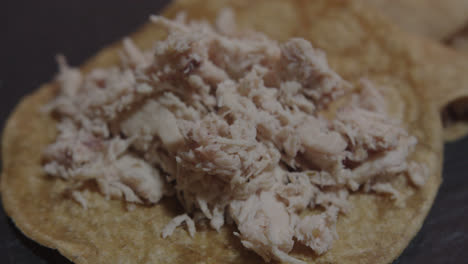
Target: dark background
{"type": "Point", "coordinates": [32, 32]}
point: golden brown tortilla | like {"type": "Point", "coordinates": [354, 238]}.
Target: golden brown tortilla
{"type": "Point", "coordinates": [457, 112]}
{"type": "Point", "coordinates": [437, 19]}
{"type": "Point", "coordinates": [444, 20]}
{"type": "Point", "coordinates": [459, 40]}
{"type": "Point", "coordinates": [420, 78]}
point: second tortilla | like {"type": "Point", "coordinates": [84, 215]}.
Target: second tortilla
{"type": "Point", "coordinates": [437, 20]}
{"type": "Point", "coordinates": [432, 18]}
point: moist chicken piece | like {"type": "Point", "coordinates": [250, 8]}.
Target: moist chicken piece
{"type": "Point", "coordinates": [230, 122]}
{"type": "Point", "coordinates": [157, 121]}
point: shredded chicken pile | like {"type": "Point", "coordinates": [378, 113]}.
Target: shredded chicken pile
{"type": "Point", "coordinates": [230, 123]}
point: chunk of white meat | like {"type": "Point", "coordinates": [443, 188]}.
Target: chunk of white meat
{"type": "Point", "coordinates": [151, 120]}
{"type": "Point", "coordinates": [391, 162]}
{"type": "Point", "coordinates": [317, 231]}
{"type": "Point", "coordinates": [134, 55]}
{"type": "Point", "coordinates": [321, 147]}
{"type": "Point", "coordinates": [316, 138]}
{"type": "Point", "coordinates": [264, 224]}
{"type": "Point", "coordinates": [143, 179]}
{"type": "Point", "coordinates": [418, 173]}
{"type": "Point", "coordinates": [69, 78]}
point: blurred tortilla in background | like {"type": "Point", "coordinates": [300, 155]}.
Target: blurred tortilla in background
{"type": "Point", "coordinates": [437, 19]}
{"type": "Point", "coordinates": [445, 21]}
{"type": "Point", "coordinates": [456, 114]}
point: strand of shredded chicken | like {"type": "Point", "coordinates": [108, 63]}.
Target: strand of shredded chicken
{"type": "Point", "coordinates": [230, 123]}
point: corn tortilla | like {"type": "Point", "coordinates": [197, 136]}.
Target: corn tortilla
{"type": "Point", "coordinates": [444, 21]}
{"type": "Point", "coordinates": [458, 109]}
{"type": "Point", "coordinates": [431, 18]}
{"type": "Point", "coordinates": [420, 79]}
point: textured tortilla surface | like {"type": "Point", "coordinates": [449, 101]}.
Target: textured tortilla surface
{"type": "Point", "coordinates": [459, 40]}
{"type": "Point", "coordinates": [437, 19]}
{"type": "Point", "coordinates": [458, 108]}
{"type": "Point", "coordinates": [419, 79]}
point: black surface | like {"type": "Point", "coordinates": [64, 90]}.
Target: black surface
{"type": "Point", "coordinates": [33, 31]}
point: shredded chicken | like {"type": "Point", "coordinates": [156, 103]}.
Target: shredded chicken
{"type": "Point", "coordinates": [230, 123]}
{"type": "Point", "coordinates": [177, 221]}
